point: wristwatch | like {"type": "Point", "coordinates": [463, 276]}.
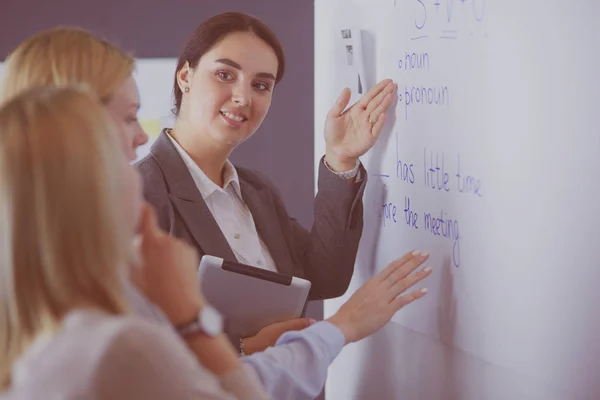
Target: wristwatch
{"type": "Point", "coordinates": [209, 321]}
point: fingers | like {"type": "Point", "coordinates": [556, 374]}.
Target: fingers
{"type": "Point", "coordinates": [403, 284]}
{"type": "Point", "coordinates": [148, 222]}
{"type": "Point", "coordinates": [341, 103]}
{"type": "Point", "coordinates": [378, 126]}
{"type": "Point", "coordinates": [191, 255]}
{"type": "Point", "coordinates": [297, 324]}
{"type": "Point", "coordinates": [405, 269]}
{"type": "Point", "coordinates": [382, 101]}
{"type": "Point", "coordinates": [398, 263]}
{"type": "Point", "coordinates": [408, 298]}
{"type": "Point", "coordinates": [279, 328]}
{"type": "Point", "coordinates": [135, 253]}
{"type": "Point", "coordinates": [381, 108]}
{"type": "Point", "coordinates": [373, 92]}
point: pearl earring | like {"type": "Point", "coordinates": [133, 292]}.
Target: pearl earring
{"type": "Point", "coordinates": [187, 89]}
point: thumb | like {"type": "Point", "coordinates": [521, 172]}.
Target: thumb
{"type": "Point", "coordinates": [298, 324]}
{"type": "Point", "coordinates": [148, 224]}
{"type": "Point", "coordinates": [341, 103]}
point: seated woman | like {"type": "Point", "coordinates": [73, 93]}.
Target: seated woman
{"type": "Point", "coordinates": [71, 205]}
{"type": "Point", "coordinates": [70, 202]}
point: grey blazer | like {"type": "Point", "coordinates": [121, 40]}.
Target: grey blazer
{"type": "Point", "coordinates": [325, 255]}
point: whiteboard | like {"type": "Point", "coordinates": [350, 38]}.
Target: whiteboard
{"type": "Point", "coordinates": [154, 77]}
{"type": "Point", "coordinates": [487, 161]}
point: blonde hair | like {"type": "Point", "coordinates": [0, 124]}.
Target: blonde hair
{"type": "Point", "coordinates": [64, 56]}
{"type": "Point", "coordinates": [63, 242]}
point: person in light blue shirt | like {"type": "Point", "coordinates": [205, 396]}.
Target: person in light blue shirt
{"type": "Point", "coordinates": [162, 287]}
{"type": "Point", "coordinates": [295, 368]}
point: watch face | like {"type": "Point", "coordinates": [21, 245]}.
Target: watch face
{"type": "Point", "coordinates": [211, 320]}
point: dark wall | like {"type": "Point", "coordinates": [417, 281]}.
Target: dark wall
{"type": "Point", "coordinates": [283, 147]}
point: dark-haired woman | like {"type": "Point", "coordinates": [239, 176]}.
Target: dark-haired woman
{"type": "Point", "coordinates": [224, 85]}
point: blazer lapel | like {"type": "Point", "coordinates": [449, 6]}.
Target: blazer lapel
{"type": "Point", "coordinates": [188, 201]}
{"type": "Point", "coordinates": [203, 227]}
{"type": "Point", "coordinates": [261, 206]}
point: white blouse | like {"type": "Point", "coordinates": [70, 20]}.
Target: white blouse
{"type": "Point", "coordinates": [230, 212]}
{"type": "Point", "coordinates": [98, 356]}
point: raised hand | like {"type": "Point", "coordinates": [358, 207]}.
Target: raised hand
{"type": "Point", "coordinates": [351, 133]}
{"type": "Point", "coordinates": [166, 271]}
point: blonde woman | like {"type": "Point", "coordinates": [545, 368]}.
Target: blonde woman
{"type": "Point", "coordinates": [62, 56]}
{"type": "Point", "coordinates": [297, 366]}
{"type": "Point", "coordinates": [70, 204]}
{"type": "Point", "coordinates": [66, 56]}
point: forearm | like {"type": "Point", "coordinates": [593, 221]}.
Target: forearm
{"type": "Point", "coordinates": [215, 353]}
{"type": "Point", "coordinates": [243, 384]}
{"type": "Point", "coordinates": [331, 246]}
{"type": "Point", "coordinates": [330, 266]}
{"type": "Point", "coordinates": [338, 196]}
{"type": "Point", "coordinates": [296, 367]}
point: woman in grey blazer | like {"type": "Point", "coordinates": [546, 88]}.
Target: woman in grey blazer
{"type": "Point", "coordinates": [223, 89]}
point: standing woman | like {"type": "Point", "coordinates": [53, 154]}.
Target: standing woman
{"type": "Point", "coordinates": [224, 83]}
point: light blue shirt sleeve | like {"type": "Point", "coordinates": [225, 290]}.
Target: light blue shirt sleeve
{"type": "Point", "coordinates": [296, 367]}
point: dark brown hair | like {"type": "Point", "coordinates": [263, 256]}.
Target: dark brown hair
{"type": "Point", "coordinates": [212, 31]}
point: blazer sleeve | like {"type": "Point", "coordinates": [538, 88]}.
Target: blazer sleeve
{"type": "Point", "coordinates": [327, 253]}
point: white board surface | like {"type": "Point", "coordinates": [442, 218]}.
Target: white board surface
{"type": "Point", "coordinates": [487, 161]}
